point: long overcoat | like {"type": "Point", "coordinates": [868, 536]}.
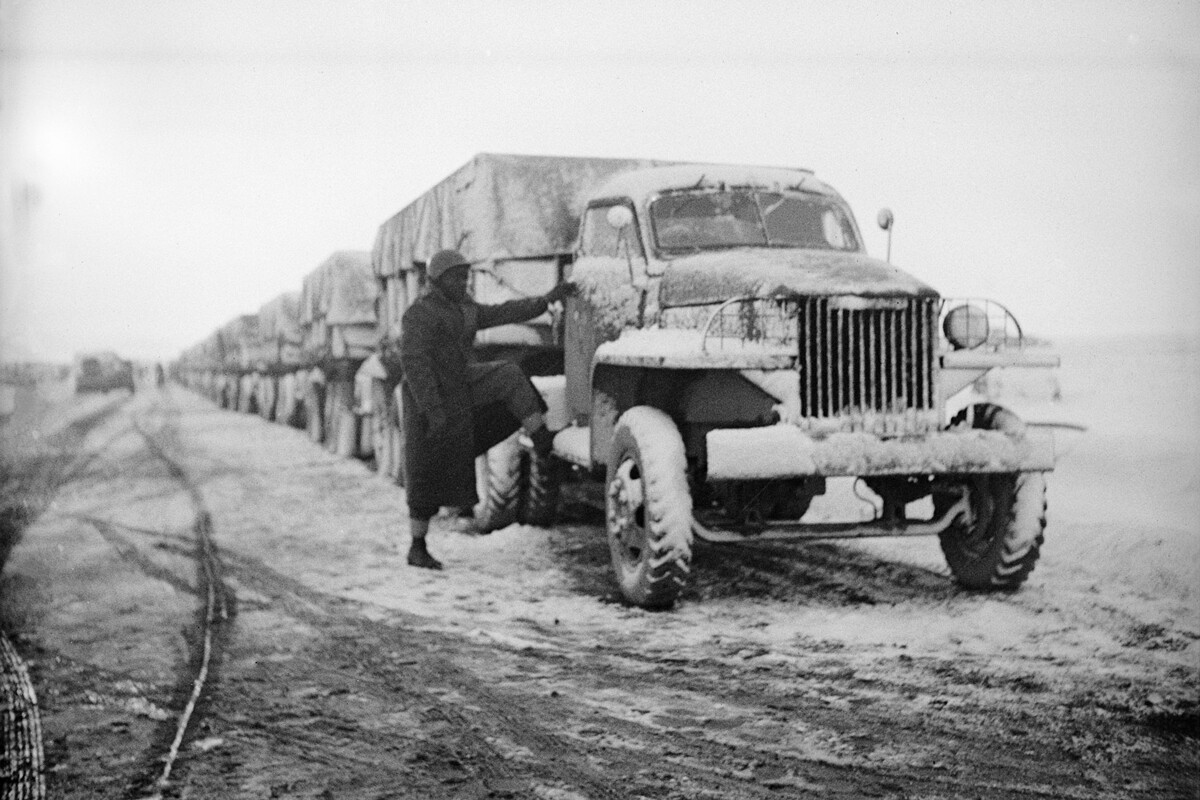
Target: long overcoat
{"type": "Point", "coordinates": [436, 347]}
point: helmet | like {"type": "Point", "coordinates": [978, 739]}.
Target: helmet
{"type": "Point", "coordinates": [444, 260]}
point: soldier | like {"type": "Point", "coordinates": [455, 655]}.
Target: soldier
{"type": "Point", "coordinates": [454, 407]}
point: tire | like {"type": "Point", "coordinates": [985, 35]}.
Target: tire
{"type": "Point", "coordinates": [314, 412]}
{"type": "Point", "coordinates": [246, 404]}
{"type": "Point", "coordinates": [498, 484]}
{"type": "Point", "coordinates": [342, 432]}
{"type": "Point", "coordinates": [648, 508]}
{"type": "Point", "coordinates": [396, 465]}
{"type": "Point", "coordinates": [290, 406]}
{"type": "Point", "coordinates": [998, 547]}
{"type": "Point", "coordinates": [541, 481]}
{"type": "Point", "coordinates": [380, 435]}
{"type": "Point", "coordinates": [268, 392]}
{"type": "Point", "coordinates": [396, 437]}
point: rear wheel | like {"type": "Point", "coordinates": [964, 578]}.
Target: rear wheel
{"type": "Point", "coordinates": [268, 391]}
{"type": "Point", "coordinates": [539, 498]}
{"type": "Point", "coordinates": [285, 399]}
{"type": "Point", "coordinates": [379, 428]}
{"type": "Point", "coordinates": [314, 411]}
{"type": "Point", "coordinates": [342, 430]}
{"type": "Point", "coordinates": [395, 417]}
{"type": "Point", "coordinates": [997, 546]}
{"type": "Point", "coordinates": [498, 484]}
{"type": "Point", "coordinates": [246, 403]}
{"type": "Point", "coordinates": [648, 508]}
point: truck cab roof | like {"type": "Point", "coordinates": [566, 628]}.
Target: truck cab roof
{"type": "Point", "coordinates": [643, 183]}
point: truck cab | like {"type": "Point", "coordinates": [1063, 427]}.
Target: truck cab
{"type": "Point", "coordinates": [732, 346]}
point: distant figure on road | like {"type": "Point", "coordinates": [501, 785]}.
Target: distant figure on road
{"type": "Point", "coordinates": [454, 407]}
{"type": "Point", "coordinates": [160, 376]}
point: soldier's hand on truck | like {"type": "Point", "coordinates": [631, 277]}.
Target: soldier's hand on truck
{"type": "Point", "coordinates": [560, 292]}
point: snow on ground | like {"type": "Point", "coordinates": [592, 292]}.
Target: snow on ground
{"type": "Point", "coordinates": [1120, 562]}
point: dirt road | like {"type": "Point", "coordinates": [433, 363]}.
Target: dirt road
{"type": "Point", "coordinates": [208, 584]}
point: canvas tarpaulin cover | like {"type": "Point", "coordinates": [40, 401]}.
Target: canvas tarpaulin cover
{"type": "Point", "coordinates": [235, 337]}
{"type": "Point", "coordinates": [341, 291]}
{"type": "Point", "coordinates": [497, 207]}
{"type": "Point", "coordinates": [279, 319]}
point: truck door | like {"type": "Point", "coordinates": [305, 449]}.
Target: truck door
{"type": "Point", "coordinates": [610, 260]}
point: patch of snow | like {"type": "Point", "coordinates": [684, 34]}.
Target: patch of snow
{"type": "Point", "coordinates": [784, 450]}
{"type": "Point", "coordinates": [574, 444]}
{"type": "Point", "coordinates": [553, 389]}
{"type": "Point", "coordinates": [641, 184]}
{"type": "Point", "coordinates": [784, 386]}
{"type": "Point", "coordinates": [690, 349]}
{"type": "Point", "coordinates": [606, 288]}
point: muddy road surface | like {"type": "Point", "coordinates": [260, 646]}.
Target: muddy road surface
{"type": "Point", "coordinates": [211, 606]}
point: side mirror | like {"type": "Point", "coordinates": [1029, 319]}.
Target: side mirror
{"type": "Point", "coordinates": [886, 220]}
{"type": "Point", "coordinates": [619, 217]}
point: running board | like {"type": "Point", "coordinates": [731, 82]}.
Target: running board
{"type": "Point", "coordinates": [800, 531]}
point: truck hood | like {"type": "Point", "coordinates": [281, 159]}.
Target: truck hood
{"type": "Point", "coordinates": [717, 276]}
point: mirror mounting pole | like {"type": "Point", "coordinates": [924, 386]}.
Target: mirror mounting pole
{"type": "Point", "coordinates": [886, 221]}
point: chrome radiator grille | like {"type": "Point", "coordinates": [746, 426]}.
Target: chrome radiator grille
{"type": "Point", "coordinates": [865, 357]}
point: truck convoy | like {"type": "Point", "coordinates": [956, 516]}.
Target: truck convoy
{"type": "Point", "coordinates": [732, 348]}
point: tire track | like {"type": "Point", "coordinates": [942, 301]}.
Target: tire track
{"type": "Point", "coordinates": [209, 632]}
{"type": "Point", "coordinates": [362, 641]}
{"type": "Point", "coordinates": [29, 482]}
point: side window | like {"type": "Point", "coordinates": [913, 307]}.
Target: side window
{"type": "Point", "coordinates": [599, 238]}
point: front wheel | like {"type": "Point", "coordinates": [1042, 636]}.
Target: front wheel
{"type": "Point", "coordinates": [998, 543]}
{"type": "Point", "coordinates": [648, 508]}
{"type": "Point", "coordinates": [539, 498]}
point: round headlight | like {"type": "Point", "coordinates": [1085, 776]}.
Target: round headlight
{"type": "Point", "coordinates": [966, 327]}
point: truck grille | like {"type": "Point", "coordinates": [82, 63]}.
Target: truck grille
{"type": "Point", "coordinates": [868, 361]}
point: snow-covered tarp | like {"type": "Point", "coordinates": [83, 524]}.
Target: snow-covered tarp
{"type": "Point", "coordinates": [497, 207]}
{"type": "Point", "coordinates": [279, 333]}
{"type": "Point", "coordinates": [279, 319]}
{"type": "Point", "coordinates": [235, 340]}
{"type": "Point", "coordinates": [341, 291]}
{"type": "Point", "coordinates": [338, 315]}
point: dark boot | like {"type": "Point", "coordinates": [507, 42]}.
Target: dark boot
{"type": "Point", "coordinates": [418, 556]}
{"type": "Point", "coordinates": [543, 441]}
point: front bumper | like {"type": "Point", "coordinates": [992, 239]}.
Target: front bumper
{"type": "Point", "coordinates": [784, 451]}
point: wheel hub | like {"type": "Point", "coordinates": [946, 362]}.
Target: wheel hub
{"type": "Point", "coordinates": [626, 513]}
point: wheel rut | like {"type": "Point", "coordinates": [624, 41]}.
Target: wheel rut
{"type": "Point", "coordinates": [206, 637]}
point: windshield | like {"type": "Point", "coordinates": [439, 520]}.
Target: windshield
{"type": "Point", "coordinates": [704, 220]}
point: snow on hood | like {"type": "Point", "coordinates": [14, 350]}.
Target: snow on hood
{"type": "Point", "coordinates": [717, 276]}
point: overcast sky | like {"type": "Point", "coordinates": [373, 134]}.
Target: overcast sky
{"type": "Point", "coordinates": [169, 164]}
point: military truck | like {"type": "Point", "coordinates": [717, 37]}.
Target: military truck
{"type": "Point", "coordinates": [338, 324]}
{"type": "Point", "coordinates": [731, 349]}
{"type": "Point", "coordinates": [234, 379]}
{"type": "Point", "coordinates": [102, 372]}
{"type": "Point", "coordinates": [276, 357]}
{"type": "Point", "coordinates": [516, 219]}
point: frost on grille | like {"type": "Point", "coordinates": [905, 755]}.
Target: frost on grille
{"type": "Point", "coordinates": [864, 363]}
{"type": "Point", "coordinates": [868, 361]}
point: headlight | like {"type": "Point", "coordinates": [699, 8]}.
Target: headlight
{"type": "Point", "coordinates": [966, 327]}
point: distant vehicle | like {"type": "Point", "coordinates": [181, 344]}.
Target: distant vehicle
{"type": "Point", "coordinates": [102, 372]}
